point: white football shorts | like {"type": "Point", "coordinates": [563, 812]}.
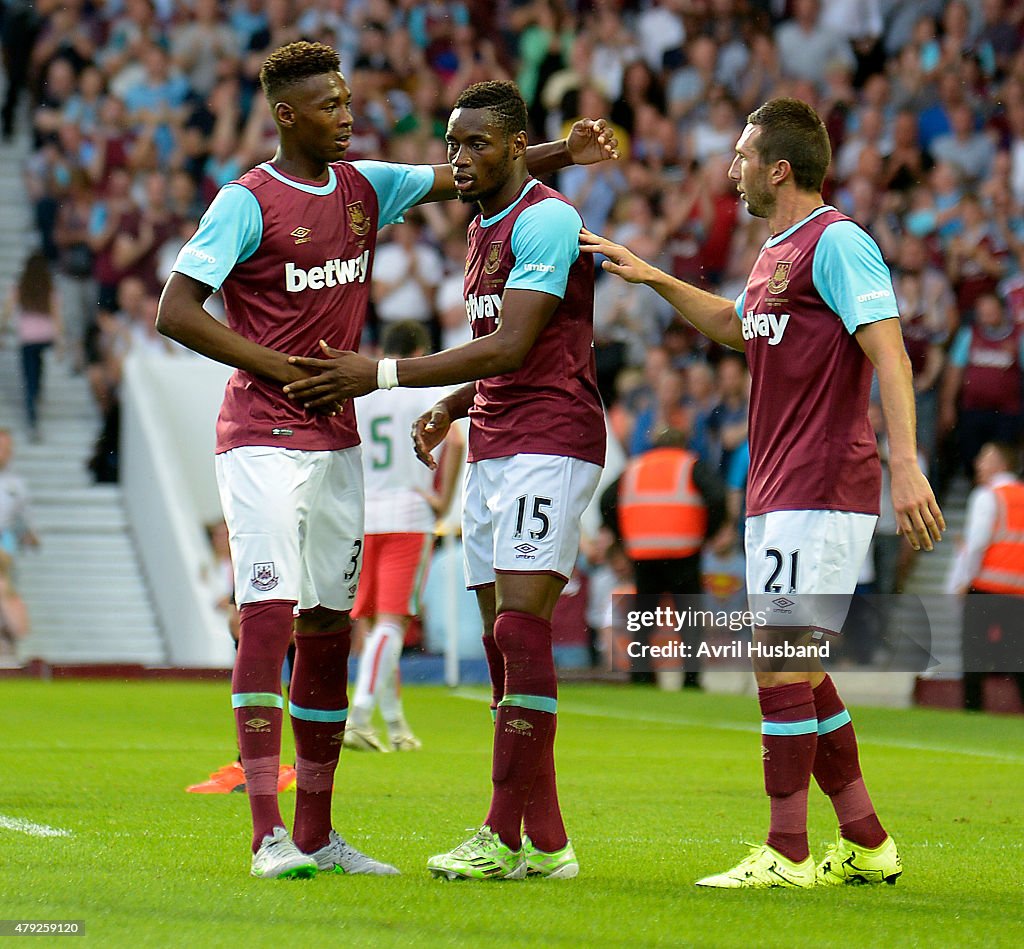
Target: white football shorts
{"type": "Point", "coordinates": [521, 514]}
{"type": "Point", "coordinates": [802, 566]}
{"type": "Point", "coordinates": [295, 520]}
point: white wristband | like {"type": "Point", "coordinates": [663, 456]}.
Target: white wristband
{"type": "Point", "coordinates": [387, 374]}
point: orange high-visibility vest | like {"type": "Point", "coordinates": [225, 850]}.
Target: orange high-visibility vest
{"type": "Point", "coordinates": [1002, 567]}
{"type": "Point", "coordinates": [661, 512]}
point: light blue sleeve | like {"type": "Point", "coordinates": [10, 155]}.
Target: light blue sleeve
{"type": "Point", "coordinates": [739, 466]}
{"type": "Point", "coordinates": [960, 351]}
{"type": "Point", "coordinates": [851, 276]}
{"type": "Point", "coordinates": [545, 243]}
{"type": "Point", "coordinates": [398, 187]}
{"type": "Point", "coordinates": [740, 301]}
{"type": "Point", "coordinates": [229, 232]}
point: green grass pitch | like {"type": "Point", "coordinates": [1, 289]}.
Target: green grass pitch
{"type": "Point", "coordinates": [658, 789]}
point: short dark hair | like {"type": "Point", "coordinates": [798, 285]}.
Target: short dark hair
{"type": "Point", "coordinates": [404, 338]}
{"type": "Point", "coordinates": [792, 131]}
{"type": "Point", "coordinates": [294, 63]}
{"type": "Point", "coordinates": [1008, 452]}
{"type": "Point", "coordinates": [501, 97]}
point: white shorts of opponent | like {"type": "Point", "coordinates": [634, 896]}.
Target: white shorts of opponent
{"type": "Point", "coordinates": [802, 566]}
{"type": "Point", "coordinates": [521, 514]}
{"type": "Point", "coordinates": [295, 521]}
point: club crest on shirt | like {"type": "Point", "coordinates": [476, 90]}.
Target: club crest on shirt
{"type": "Point", "coordinates": [357, 218]}
{"type": "Point", "coordinates": [301, 235]}
{"type": "Point", "coordinates": [779, 280]}
{"type": "Point", "coordinates": [493, 261]}
{"type": "Point", "coordinates": [264, 576]}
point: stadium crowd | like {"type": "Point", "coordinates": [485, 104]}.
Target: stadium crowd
{"type": "Point", "coordinates": [142, 109]}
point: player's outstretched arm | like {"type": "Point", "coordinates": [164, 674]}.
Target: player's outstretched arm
{"type": "Point", "coordinates": [181, 317]}
{"type": "Point", "coordinates": [917, 512]}
{"type": "Point", "coordinates": [589, 141]}
{"type": "Point", "coordinates": [713, 315]}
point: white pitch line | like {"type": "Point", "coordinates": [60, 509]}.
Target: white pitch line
{"type": "Point", "coordinates": [23, 826]}
{"type": "Point", "coordinates": [591, 712]}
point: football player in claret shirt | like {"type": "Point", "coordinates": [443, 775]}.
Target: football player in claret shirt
{"type": "Point", "coordinates": [536, 449]}
{"type": "Point", "coordinates": [290, 245]}
{"type": "Point", "coordinates": [817, 316]}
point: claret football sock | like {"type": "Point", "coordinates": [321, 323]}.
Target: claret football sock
{"type": "Point", "coordinates": [319, 706]}
{"type": "Point", "coordinates": [496, 668]}
{"type": "Point", "coordinates": [789, 733]}
{"type": "Point", "coordinates": [542, 818]}
{"type": "Point", "coordinates": [525, 722]}
{"type": "Point", "coordinates": [837, 770]}
{"type": "Point", "coordinates": [265, 631]}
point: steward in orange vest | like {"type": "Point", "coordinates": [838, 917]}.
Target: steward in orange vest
{"type": "Point", "coordinates": [993, 555]}
{"type": "Point", "coordinates": [1002, 566]}
{"type": "Point", "coordinates": [662, 508]}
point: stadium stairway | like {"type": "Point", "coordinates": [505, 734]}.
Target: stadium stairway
{"type": "Point", "coordinates": [85, 592]}
{"type": "Point", "coordinates": [928, 579]}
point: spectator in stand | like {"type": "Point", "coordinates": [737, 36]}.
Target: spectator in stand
{"type": "Point", "coordinates": [936, 119]}
{"type": "Point", "coordinates": [14, 619]}
{"type": "Point", "coordinates": [614, 50]}
{"type": "Point", "coordinates": [109, 218]}
{"type": "Point", "coordinates": [84, 106]}
{"type": "Point", "coordinates": [975, 257]}
{"type": "Point", "coordinates": [77, 286]}
{"type": "Point", "coordinates": [727, 425]}
{"type": "Point", "coordinates": [57, 91]}
{"type": "Point", "coordinates": [16, 530]}
{"type": "Point", "coordinates": [905, 163]}
{"type": "Point", "coordinates": [713, 135]}
{"type": "Point", "coordinates": [34, 305]}
{"type": "Point", "coordinates": [762, 75]}
{"type": "Point", "coordinates": [141, 234]}
{"type": "Point", "coordinates": [156, 103]}
{"type": "Point", "coordinates": [406, 274]}
{"type": "Point", "coordinates": [661, 31]}
{"type": "Point", "coordinates": [202, 45]}
{"type": "Point", "coordinates": [870, 134]}
{"type": "Point", "coordinates": [981, 392]}
{"type": "Point", "coordinates": [807, 46]}
{"type": "Point", "coordinates": [113, 342]}
{"type": "Point", "coordinates": [688, 87]}
{"type": "Point", "coordinates": [969, 151]}
{"type": "Point", "coordinates": [929, 318]}
{"type": "Point", "coordinates": [640, 87]}
{"type": "Point", "coordinates": [665, 410]}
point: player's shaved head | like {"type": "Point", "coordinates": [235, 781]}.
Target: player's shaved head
{"type": "Point", "coordinates": [500, 97]}
{"type": "Point", "coordinates": [294, 63]}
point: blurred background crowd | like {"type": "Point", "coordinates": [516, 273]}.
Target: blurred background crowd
{"type": "Point", "coordinates": [141, 110]}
